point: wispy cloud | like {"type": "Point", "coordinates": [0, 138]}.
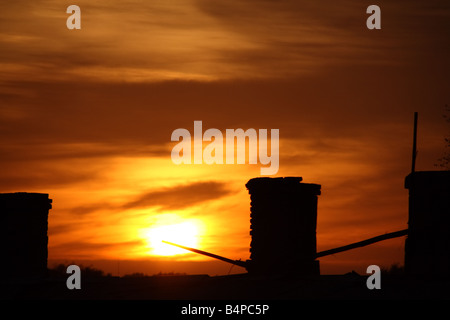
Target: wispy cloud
{"type": "Point", "coordinates": [180, 196]}
{"type": "Point", "coordinates": [169, 198]}
{"type": "Point", "coordinates": [207, 40]}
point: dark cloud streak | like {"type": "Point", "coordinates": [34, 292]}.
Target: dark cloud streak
{"type": "Point", "coordinates": [165, 199]}
{"type": "Point", "coordinates": [180, 196]}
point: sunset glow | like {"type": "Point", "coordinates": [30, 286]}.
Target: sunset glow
{"type": "Point", "coordinates": [87, 116]}
{"type": "Point", "coordinates": [186, 233]}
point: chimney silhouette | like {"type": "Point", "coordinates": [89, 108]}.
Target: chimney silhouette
{"type": "Point", "coordinates": [283, 226]}
{"type": "Point", "coordinates": [23, 237]}
{"type": "Point", "coordinates": [427, 247]}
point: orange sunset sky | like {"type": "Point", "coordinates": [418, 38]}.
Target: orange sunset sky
{"type": "Point", "coordinates": [87, 116]}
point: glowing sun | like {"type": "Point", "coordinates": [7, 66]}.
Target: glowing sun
{"type": "Point", "coordinates": [184, 233]}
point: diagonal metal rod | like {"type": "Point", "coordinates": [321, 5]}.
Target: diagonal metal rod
{"type": "Point", "coordinates": [358, 244]}
{"type": "Point", "coordinates": [363, 243]}
{"type": "Point", "coordinates": [215, 256]}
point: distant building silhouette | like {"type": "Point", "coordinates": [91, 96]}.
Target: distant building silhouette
{"type": "Point", "coordinates": [427, 247]}
{"type": "Point", "coordinates": [283, 226]}
{"type": "Point", "coordinates": [23, 236]}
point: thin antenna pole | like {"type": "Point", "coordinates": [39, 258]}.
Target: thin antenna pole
{"type": "Point", "coordinates": [414, 151]}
